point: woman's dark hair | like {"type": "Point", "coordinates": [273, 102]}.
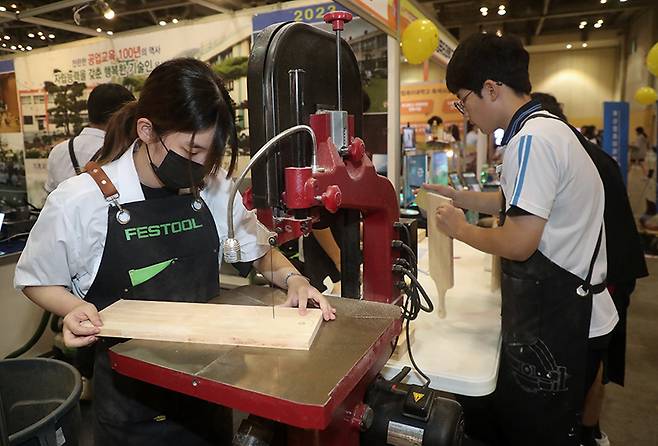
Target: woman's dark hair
{"type": "Point", "coordinates": [486, 56]}
{"type": "Point", "coordinates": [180, 95]}
{"type": "Point", "coordinates": [640, 130]}
{"type": "Point", "coordinates": [550, 104]}
{"type": "Point", "coordinates": [434, 119]}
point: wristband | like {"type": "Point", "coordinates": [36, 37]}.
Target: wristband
{"type": "Point", "coordinates": [290, 274]}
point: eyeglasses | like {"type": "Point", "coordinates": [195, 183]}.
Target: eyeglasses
{"type": "Point", "coordinates": [459, 103]}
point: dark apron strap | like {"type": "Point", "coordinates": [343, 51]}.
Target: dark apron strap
{"type": "Point", "coordinates": [74, 159]}
{"type": "Point", "coordinates": [586, 287]}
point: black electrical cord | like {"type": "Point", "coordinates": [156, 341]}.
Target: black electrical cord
{"type": "Point", "coordinates": [19, 235]}
{"type": "Point", "coordinates": [399, 244]}
{"type": "Point", "coordinates": [412, 307]}
{"type": "Point", "coordinates": [399, 225]}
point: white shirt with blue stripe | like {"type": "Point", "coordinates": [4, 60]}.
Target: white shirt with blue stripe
{"type": "Point", "coordinates": [548, 173]}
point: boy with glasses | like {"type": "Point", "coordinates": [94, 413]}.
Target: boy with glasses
{"type": "Point", "coordinates": [551, 241]}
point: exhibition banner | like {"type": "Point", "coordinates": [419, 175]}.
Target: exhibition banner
{"type": "Point", "coordinates": [421, 101]}
{"type": "Point", "coordinates": [311, 14]}
{"type": "Point", "coordinates": [44, 78]}
{"type": "Point", "coordinates": [615, 133]}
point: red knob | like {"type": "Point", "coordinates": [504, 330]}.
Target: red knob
{"type": "Point", "coordinates": [332, 198]}
{"type": "Point", "coordinates": [338, 19]}
{"type": "Point", "coordinates": [248, 198]}
{"type": "Point", "coordinates": [356, 150]}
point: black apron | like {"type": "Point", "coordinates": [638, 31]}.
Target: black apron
{"type": "Point", "coordinates": [546, 313]}
{"type": "Point", "coordinates": [167, 250]}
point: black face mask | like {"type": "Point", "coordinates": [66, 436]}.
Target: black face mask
{"type": "Point", "coordinates": [177, 172]}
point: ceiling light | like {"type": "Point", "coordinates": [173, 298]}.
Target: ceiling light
{"type": "Point", "coordinates": [3, 9]}
{"type": "Point", "coordinates": [622, 1]}
{"type": "Point", "coordinates": [484, 14]}
{"type": "Point", "coordinates": [501, 7]}
{"type": "Point", "coordinates": [51, 36]}
{"type": "Point", "coordinates": [174, 21]}
{"type": "Point", "coordinates": [42, 37]}
{"type": "Point", "coordinates": [501, 12]}
{"type": "Point", "coordinates": [29, 48]}
{"type": "Point", "coordinates": [581, 26]}
{"type": "Point", "coordinates": [13, 5]}
{"type": "Point", "coordinates": [584, 45]}
{"type": "Point", "coordinates": [109, 33]}
{"type": "Point", "coordinates": [31, 35]}
{"type": "Point", "coordinates": [603, 2]}
{"type": "Point", "coordinates": [499, 33]}
{"type": "Point", "coordinates": [40, 33]}
{"type": "Point", "coordinates": [108, 12]}
{"type": "Point", "coordinates": [584, 22]}
{"type": "Point", "coordinates": [599, 21]}
{"type": "Point", "coordinates": [484, 9]}
{"type": "Point", "coordinates": [4, 45]}
{"type": "Point", "coordinates": [6, 37]}
{"type": "Point", "coordinates": [162, 23]}
{"type": "Point", "coordinates": [13, 47]}
{"type": "Point", "coordinates": [569, 46]}
{"type": "Point", "coordinates": [598, 25]}
{"type": "Point", "coordinates": [99, 30]}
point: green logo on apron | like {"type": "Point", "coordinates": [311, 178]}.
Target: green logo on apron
{"type": "Point", "coordinates": [162, 229]}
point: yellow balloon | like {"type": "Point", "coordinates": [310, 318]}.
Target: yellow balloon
{"type": "Point", "coordinates": [419, 40]}
{"type": "Point", "coordinates": [646, 95]}
{"type": "Point", "coordinates": [652, 60]}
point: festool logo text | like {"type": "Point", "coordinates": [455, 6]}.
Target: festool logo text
{"type": "Point", "coordinates": [173, 227]}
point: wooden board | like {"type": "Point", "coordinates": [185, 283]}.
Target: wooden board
{"type": "Point", "coordinates": [243, 325]}
{"type": "Point", "coordinates": [441, 263]}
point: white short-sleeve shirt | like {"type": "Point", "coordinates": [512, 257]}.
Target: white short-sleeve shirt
{"type": "Point", "coordinates": [548, 173]}
{"type": "Point", "coordinates": [60, 167]}
{"type": "Point", "coordinates": [66, 245]}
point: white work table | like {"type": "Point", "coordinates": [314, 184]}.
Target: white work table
{"type": "Point", "coordinates": [459, 353]}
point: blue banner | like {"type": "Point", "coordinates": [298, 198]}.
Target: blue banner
{"type": "Point", "coordinates": [7, 66]}
{"type": "Point", "coordinates": [615, 133]}
{"type": "Point", "coordinates": [306, 14]}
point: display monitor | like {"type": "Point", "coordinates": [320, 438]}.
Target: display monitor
{"type": "Point", "coordinates": [471, 181]}
{"type": "Point", "coordinates": [416, 170]}
{"type": "Point", "coordinates": [456, 181]}
{"type": "Point", "coordinates": [439, 168]}
{"type": "Point", "coordinates": [408, 138]}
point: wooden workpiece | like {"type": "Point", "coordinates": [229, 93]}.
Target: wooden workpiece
{"type": "Point", "coordinates": [441, 263]}
{"type": "Point", "coordinates": [253, 326]}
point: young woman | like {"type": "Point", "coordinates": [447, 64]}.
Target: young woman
{"type": "Point", "coordinates": [147, 224]}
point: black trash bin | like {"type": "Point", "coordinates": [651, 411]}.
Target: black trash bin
{"type": "Point", "coordinates": [39, 399]}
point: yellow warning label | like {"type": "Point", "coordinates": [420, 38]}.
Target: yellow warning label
{"type": "Point", "coordinates": [418, 396]}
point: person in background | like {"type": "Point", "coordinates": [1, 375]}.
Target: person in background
{"type": "Point", "coordinates": [625, 265]}
{"type": "Point", "coordinates": [641, 144]}
{"type": "Point", "coordinates": [437, 133]}
{"type": "Point", "coordinates": [589, 132]}
{"type": "Point", "coordinates": [163, 156]}
{"type": "Point", "coordinates": [67, 158]}
{"type": "Point", "coordinates": [551, 243]}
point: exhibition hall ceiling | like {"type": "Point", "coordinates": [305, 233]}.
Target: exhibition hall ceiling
{"type": "Point", "coordinates": [531, 18]}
